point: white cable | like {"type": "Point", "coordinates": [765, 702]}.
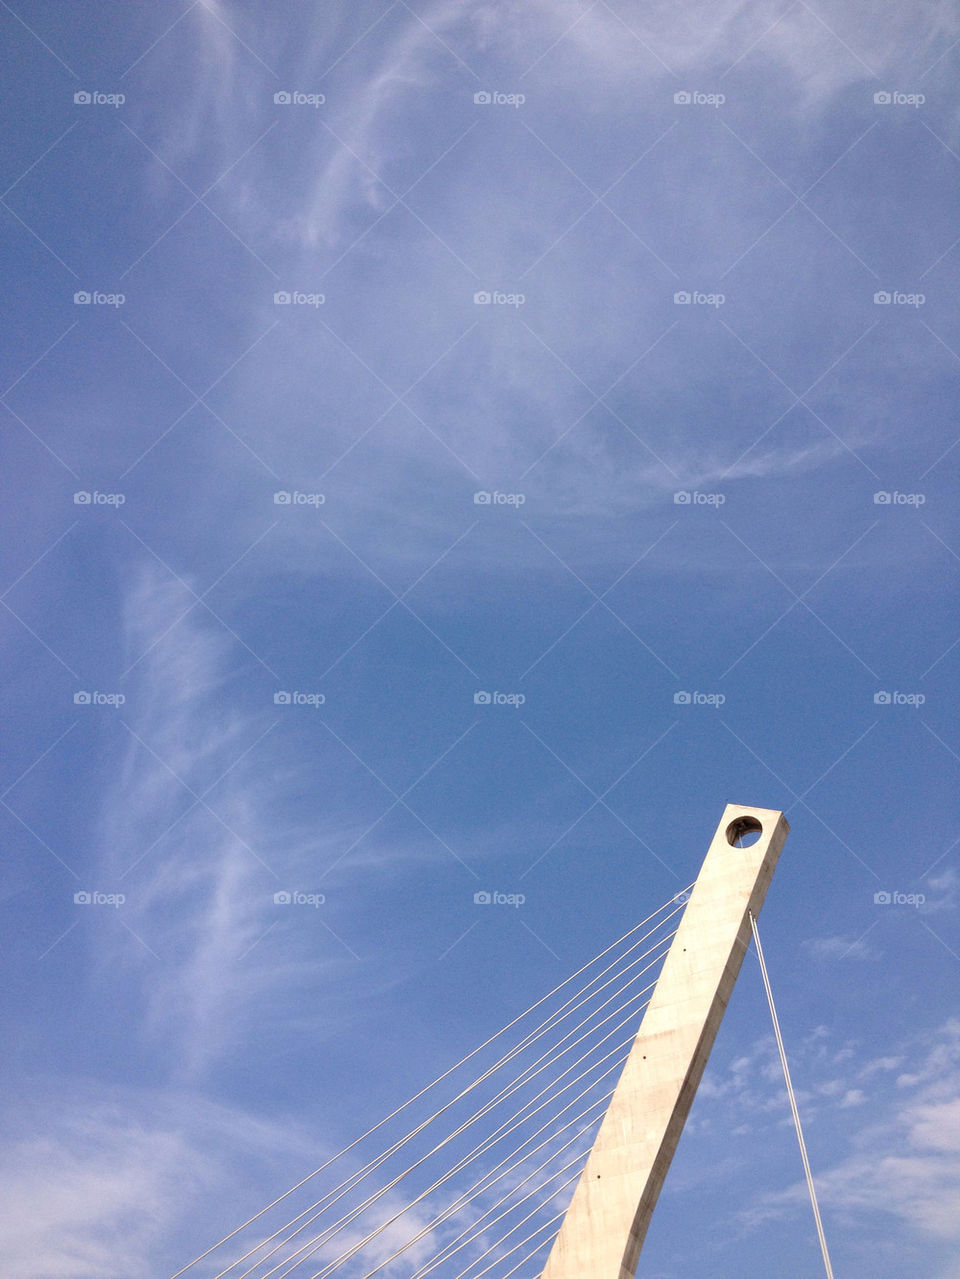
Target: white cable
{"type": "Point", "coordinates": [528, 1073]}
{"type": "Point", "coordinates": [448, 1251]}
{"type": "Point", "coordinates": [793, 1101]}
{"type": "Point", "coordinates": [463, 1273]}
{"type": "Point", "coordinates": [529, 1195]}
{"type": "Point", "coordinates": [478, 1188]}
{"type": "Point", "coordinates": [484, 1183]}
{"type": "Point", "coordinates": [415, 1097]}
{"type": "Point", "coordinates": [318, 1240]}
{"type": "Point", "coordinates": [423, 1091]}
{"type": "Point", "coordinates": [467, 1197]}
{"type": "Point", "coordinates": [533, 1251]}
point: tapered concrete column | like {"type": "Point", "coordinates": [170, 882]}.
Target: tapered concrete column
{"type": "Point", "coordinates": [605, 1225]}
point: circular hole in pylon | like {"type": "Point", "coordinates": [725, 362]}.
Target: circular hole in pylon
{"type": "Point", "coordinates": [744, 831]}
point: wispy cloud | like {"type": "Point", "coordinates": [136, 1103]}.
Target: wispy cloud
{"type": "Point", "coordinates": [107, 1176]}
{"type": "Point", "coordinates": [836, 948]}
{"type": "Point", "coordinates": [906, 1157]}
{"type": "Point", "coordinates": [190, 832]}
{"type": "Point", "coordinates": [528, 413]}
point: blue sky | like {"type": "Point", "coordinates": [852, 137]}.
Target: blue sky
{"type": "Point", "coordinates": [712, 400]}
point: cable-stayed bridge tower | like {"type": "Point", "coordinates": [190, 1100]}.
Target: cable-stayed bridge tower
{"type": "Point", "coordinates": [604, 1228]}
{"type": "Point", "coordinates": [569, 1095]}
